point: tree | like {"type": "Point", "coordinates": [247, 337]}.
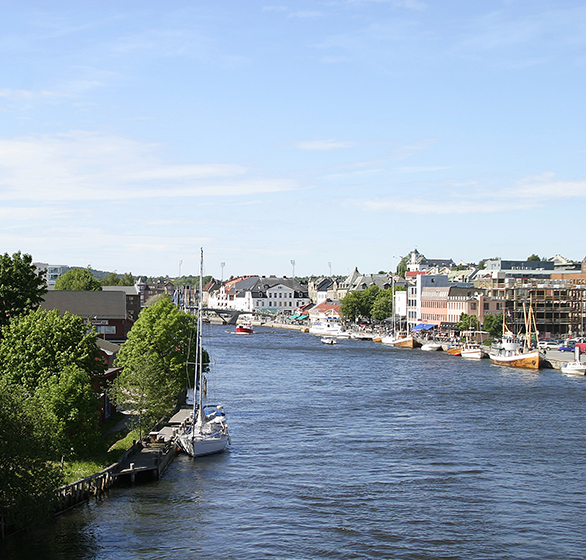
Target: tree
{"type": "Point", "coordinates": [78, 279]}
{"type": "Point", "coordinates": [69, 402]}
{"type": "Point", "coordinates": [113, 279]}
{"type": "Point", "coordinates": [534, 257]}
{"type": "Point", "coordinates": [43, 343]}
{"type": "Point", "coordinates": [52, 358]}
{"type": "Point", "coordinates": [29, 474]}
{"type": "Point", "coordinates": [468, 322]}
{"type": "Point", "coordinates": [402, 267]}
{"type": "Point", "coordinates": [21, 287]}
{"type": "Point", "coordinates": [352, 307]}
{"type": "Point", "coordinates": [148, 389]}
{"type": "Point", "coordinates": [493, 324]}
{"type": "Point", "coordinates": [155, 358]}
{"type": "Point", "coordinates": [382, 307]}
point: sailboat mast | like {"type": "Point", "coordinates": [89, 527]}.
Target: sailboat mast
{"type": "Point", "coordinates": [199, 360]}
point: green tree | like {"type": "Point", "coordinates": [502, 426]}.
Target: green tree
{"type": "Point", "coordinates": [493, 324]}
{"type": "Point", "coordinates": [21, 287]}
{"type": "Point", "coordinates": [146, 388]}
{"type": "Point", "coordinates": [29, 474]}
{"type": "Point", "coordinates": [78, 279]}
{"type": "Point", "coordinates": [164, 334]}
{"type": "Point", "coordinates": [69, 402]}
{"type": "Point", "coordinates": [43, 343]}
{"type": "Point", "coordinates": [382, 307]}
{"type": "Point", "coordinates": [534, 257]}
{"type": "Point", "coordinates": [352, 306]}
{"type": "Point", "coordinates": [402, 267]}
{"type": "Point", "coordinates": [468, 322]}
{"type": "Point", "coordinates": [113, 279]}
{"type": "Point", "coordinates": [52, 357]}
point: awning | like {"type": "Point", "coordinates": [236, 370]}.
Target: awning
{"type": "Point", "coordinates": [293, 316]}
{"type": "Point", "coordinates": [423, 327]}
{"type": "Point", "coordinates": [303, 316]}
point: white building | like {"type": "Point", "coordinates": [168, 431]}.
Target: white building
{"type": "Point", "coordinates": [256, 294]}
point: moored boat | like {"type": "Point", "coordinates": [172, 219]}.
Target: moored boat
{"type": "Point", "coordinates": [516, 352]}
{"type": "Point", "coordinates": [328, 340]}
{"type": "Point", "coordinates": [473, 351]}
{"type": "Point", "coordinates": [206, 432]}
{"type": "Point", "coordinates": [328, 327]}
{"type": "Point", "coordinates": [576, 367]}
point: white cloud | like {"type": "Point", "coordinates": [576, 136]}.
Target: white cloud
{"type": "Point", "coordinates": [324, 144]}
{"type": "Point", "coordinates": [80, 165]}
{"type": "Point", "coordinates": [530, 192]}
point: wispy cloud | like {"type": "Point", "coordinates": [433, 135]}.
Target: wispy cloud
{"type": "Point", "coordinates": [530, 192]}
{"type": "Point", "coordinates": [324, 144]}
{"type": "Point", "coordinates": [82, 166]}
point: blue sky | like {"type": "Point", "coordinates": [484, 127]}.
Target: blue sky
{"type": "Point", "coordinates": [336, 134]}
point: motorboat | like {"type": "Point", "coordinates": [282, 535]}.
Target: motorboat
{"type": "Point", "coordinates": [245, 327]}
{"type": "Point", "coordinates": [431, 346]}
{"type": "Point", "coordinates": [328, 340]}
{"type": "Point", "coordinates": [474, 351]}
{"type": "Point", "coordinates": [328, 327]}
{"type": "Point", "coordinates": [576, 367]}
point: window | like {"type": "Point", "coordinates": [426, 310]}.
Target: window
{"type": "Point", "coordinates": [486, 306]}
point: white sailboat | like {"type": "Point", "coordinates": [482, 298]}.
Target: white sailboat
{"type": "Point", "coordinates": [207, 433]}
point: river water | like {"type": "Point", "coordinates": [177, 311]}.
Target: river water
{"type": "Point", "coordinates": [356, 450]}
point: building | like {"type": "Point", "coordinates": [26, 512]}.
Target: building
{"type": "Point", "coordinates": [51, 272]}
{"type": "Point", "coordinates": [106, 310]}
{"type": "Point", "coordinates": [258, 294]}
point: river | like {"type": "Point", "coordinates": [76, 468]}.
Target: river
{"type": "Point", "coordinates": [355, 450]}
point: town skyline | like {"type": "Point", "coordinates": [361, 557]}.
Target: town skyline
{"type": "Point", "coordinates": [343, 132]}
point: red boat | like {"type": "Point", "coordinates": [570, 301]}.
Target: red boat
{"type": "Point", "coordinates": [244, 328]}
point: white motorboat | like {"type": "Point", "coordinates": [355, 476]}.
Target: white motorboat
{"type": "Point", "coordinates": [206, 432]}
{"type": "Point", "coordinates": [576, 367]}
{"type": "Point", "coordinates": [474, 351]}
{"type": "Point", "coordinates": [431, 346]}
{"type": "Point", "coordinates": [328, 327]}
{"type": "Point", "coordinates": [328, 340]}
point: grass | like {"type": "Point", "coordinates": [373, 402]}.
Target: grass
{"type": "Point", "coordinates": [109, 449]}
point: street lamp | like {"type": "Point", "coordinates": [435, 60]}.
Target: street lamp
{"type": "Point", "coordinates": [222, 264]}
{"type": "Point", "coordinates": [330, 267]}
{"type": "Point", "coordinates": [293, 264]}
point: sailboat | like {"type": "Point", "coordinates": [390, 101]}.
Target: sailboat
{"type": "Point", "coordinates": [207, 432]}
{"type": "Point", "coordinates": [515, 352]}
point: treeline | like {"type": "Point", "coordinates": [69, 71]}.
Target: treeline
{"type": "Point", "coordinates": [49, 363]}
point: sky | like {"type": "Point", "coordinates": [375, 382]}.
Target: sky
{"type": "Point", "coordinates": [302, 137]}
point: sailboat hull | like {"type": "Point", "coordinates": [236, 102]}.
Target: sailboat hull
{"type": "Point", "coordinates": [200, 446]}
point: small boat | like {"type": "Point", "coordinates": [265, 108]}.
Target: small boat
{"type": "Point", "coordinates": [328, 327]}
{"type": "Point", "coordinates": [474, 351]}
{"type": "Point", "coordinates": [244, 328]}
{"type": "Point", "coordinates": [454, 350]}
{"type": "Point", "coordinates": [328, 340]}
{"type": "Point", "coordinates": [360, 335]}
{"type": "Point", "coordinates": [431, 346]}
{"type": "Point", "coordinates": [576, 367]}
{"type": "Point", "coordinates": [206, 432]}
{"type": "Point", "coordinates": [401, 341]}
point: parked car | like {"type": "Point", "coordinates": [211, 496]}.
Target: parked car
{"type": "Point", "coordinates": [550, 343]}
{"type": "Point", "coordinates": [567, 346]}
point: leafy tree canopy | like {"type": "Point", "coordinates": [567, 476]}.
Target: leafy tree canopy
{"type": "Point", "coordinates": [468, 322]}
{"type": "Point", "coordinates": [113, 279]}
{"type": "Point", "coordinates": [534, 257]}
{"type": "Point", "coordinates": [164, 334]}
{"type": "Point", "coordinates": [493, 324]}
{"type": "Point", "coordinates": [402, 267]}
{"type": "Point", "coordinates": [43, 343]}
{"type": "Point", "coordinates": [21, 287]}
{"type": "Point", "coordinates": [78, 279]}
{"type": "Point", "coordinates": [382, 307]}
{"type": "Point", "coordinates": [29, 475]}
